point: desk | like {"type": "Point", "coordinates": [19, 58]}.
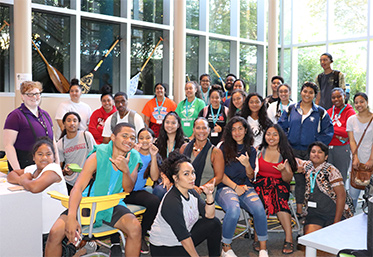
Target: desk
{"type": "Point", "coordinates": [20, 222]}
{"type": "Point", "coordinates": [347, 234]}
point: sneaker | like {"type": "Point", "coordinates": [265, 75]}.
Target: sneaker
{"type": "Point", "coordinates": [263, 253]}
{"type": "Point", "coordinates": [144, 246]}
{"type": "Point", "coordinates": [115, 250]}
{"type": "Point", "coordinates": [91, 247]}
{"type": "Point", "coordinates": [228, 253]}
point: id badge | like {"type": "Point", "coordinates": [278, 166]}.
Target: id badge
{"type": "Point", "coordinates": [312, 204]}
{"type": "Point", "coordinates": [187, 124]}
{"type": "Point", "coordinates": [159, 121]}
{"type": "Point", "coordinates": [214, 134]}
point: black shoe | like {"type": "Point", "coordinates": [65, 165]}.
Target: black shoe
{"type": "Point", "coordinates": [144, 246]}
{"type": "Point", "coordinates": [116, 250]}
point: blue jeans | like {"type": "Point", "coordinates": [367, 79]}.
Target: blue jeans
{"type": "Point", "coordinates": [231, 203]}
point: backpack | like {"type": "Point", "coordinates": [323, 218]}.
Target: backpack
{"type": "Point", "coordinates": [114, 119]}
{"type": "Point", "coordinates": [335, 78]}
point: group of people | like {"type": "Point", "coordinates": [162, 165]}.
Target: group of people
{"type": "Point", "coordinates": [217, 146]}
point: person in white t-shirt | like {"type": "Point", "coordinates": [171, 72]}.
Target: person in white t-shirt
{"type": "Point", "coordinates": [42, 177]}
{"type": "Point", "coordinates": [122, 115]}
{"type": "Point", "coordinates": [276, 108]}
{"type": "Point", "coordinates": [73, 105]}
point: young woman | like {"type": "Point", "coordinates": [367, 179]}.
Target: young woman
{"type": "Point", "coordinates": [73, 146]}
{"type": "Point", "coordinates": [216, 114]}
{"type": "Point", "coordinates": [239, 84]}
{"type": "Point", "coordinates": [156, 109]}
{"type": "Point", "coordinates": [207, 160]}
{"type": "Point", "coordinates": [178, 228]}
{"type": "Point", "coordinates": [275, 171]}
{"type": "Point", "coordinates": [24, 125]}
{"type": "Point", "coordinates": [148, 153]}
{"type": "Point", "coordinates": [74, 105]}
{"type": "Point", "coordinates": [237, 101]}
{"type": "Point", "coordinates": [97, 120]}
{"type": "Point", "coordinates": [305, 123]}
{"type": "Point", "coordinates": [189, 108]}
{"type": "Point", "coordinates": [171, 138]}
{"type": "Point", "coordinates": [325, 195]}
{"type": "Point", "coordinates": [356, 125]}
{"type": "Point", "coordinates": [339, 147]}
{"type": "Point", "coordinates": [255, 112]}
{"type": "Point", "coordinates": [205, 81]}
{"type": "Point", "coordinates": [236, 187]}
{"type": "Point", "coordinates": [43, 176]}
{"type": "Point", "coordinates": [276, 108]}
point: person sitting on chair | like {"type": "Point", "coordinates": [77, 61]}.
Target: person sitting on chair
{"type": "Point", "coordinates": [112, 164]}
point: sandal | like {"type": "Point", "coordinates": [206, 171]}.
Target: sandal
{"type": "Point", "coordinates": [288, 246]}
{"type": "Point", "coordinates": [256, 246]}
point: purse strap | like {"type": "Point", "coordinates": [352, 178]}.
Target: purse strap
{"type": "Point", "coordinates": [361, 139]}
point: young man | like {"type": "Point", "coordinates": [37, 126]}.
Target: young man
{"type": "Point", "coordinates": [275, 82]}
{"type": "Point", "coordinates": [113, 164]}
{"type": "Point", "coordinates": [229, 81]}
{"type": "Point", "coordinates": [122, 115]}
{"type": "Point", "coordinates": [328, 80]}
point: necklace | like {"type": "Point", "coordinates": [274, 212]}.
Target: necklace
{"type": "Point", "coordinates": [195, 148]}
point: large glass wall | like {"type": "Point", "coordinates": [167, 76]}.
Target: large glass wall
{"type": "Point", "coordinates": [310, 28]}
{"type": "Point", "coordinates": [4, 49]}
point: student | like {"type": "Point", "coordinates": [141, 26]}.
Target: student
{"type": "Point", "coordinates": [275, 82]}
{"type": "Point", "coordinates": [43, 176]}
{"type": "Point", "coordinates": [204, 81]}
{"type": "Point", "coordinates": [229, 81]}
{"type": "Point", "coordinates": [112, 164]}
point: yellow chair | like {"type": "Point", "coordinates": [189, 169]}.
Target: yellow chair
{"type": "Point", "coordinates": [4, 165]}
{"type": "Point", "coordinates": [88, 209]}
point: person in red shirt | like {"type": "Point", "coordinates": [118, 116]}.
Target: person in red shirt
{"type": "Point", "coordinates": [156, 109]}
{"type": "Point", "coordinates": [98, 117]}
{"type": "Point", "coordinates": [339, 147]}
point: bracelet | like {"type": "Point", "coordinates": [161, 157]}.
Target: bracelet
{"type": "Point", "coordinates": [235, 188]}
{"type": "Point", "coordinates": [207, 203]}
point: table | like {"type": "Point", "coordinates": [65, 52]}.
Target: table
{"type": "Point", "coordinates": [348, 234]}
{"type": "Point", "coordinates": [20, 222]}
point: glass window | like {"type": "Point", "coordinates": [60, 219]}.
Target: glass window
{"type": "Point", "coordinates": [354, 71]}
{"type": "Point", "coordinates": [308, 64]}
{"type": "Point", "coordinates": [192, 14]}
{"type": "Point", "coordinates": [4, 49]}
{"type": "Point", "coordinates": [219, 57]}
{"type": "Point", "coordinates": [248, 65]}
{"type": "Point", "coordinates": [143, 42]}
{"type": "Point", "coordinates": [220, 17]}
{"type": "Point", "coordinates": [56, 3]}
{"type": "Point", "coordinates": [96, 39]}
{"type": "Point", "coordinates": [108, 7]}
{"type": "Point", "coordinates": [51, 33]}
{"type": "Point", "coordinates": [148, 10]}
{"type": "Point", "coordinates": [192, 52]}
{"type": "Point", "coordinates": [349, 18]}
{"type": "Point", "coordinates": [287, 65]}
{"type": "Point", "coordinates": [286, 19]}
{"type": "Point", "coordinates": [309, 21]}
{"type": "Point", "coordinates": [248, 19]}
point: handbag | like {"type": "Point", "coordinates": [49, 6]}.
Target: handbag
{"type": "Point", "coordinates": [360, 177]}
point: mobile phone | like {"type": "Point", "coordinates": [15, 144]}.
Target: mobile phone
{"type": "Point", "coordinates": [77, 239]}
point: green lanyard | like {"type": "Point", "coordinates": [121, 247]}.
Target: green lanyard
{"type": "Point", "coordinates": [313, 180]}
{"type": "Point", "coordinates": [215, 117]}
{"type": "Point", "coordinates": [159, 108]}
{"type": "Point", "coordinates": [187, 106]}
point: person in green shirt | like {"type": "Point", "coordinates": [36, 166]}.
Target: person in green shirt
{"type": "Point", "coordinates": [189, 108]}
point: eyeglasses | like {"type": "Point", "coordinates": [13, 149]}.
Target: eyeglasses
{"type": "Point", "coordinates": [205, 80]}
{"type": "Point", "coordinates": [33, 94]}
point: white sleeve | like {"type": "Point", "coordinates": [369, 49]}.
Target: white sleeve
{"type": "Point", "coordinates": [90, 140]}
{"type": "Point", "coordinates": [106, 132]}
{"type": "Point", "coordinates": [271, 112]}
{"type": "Point", "coordinates": [54, 167]}
{"type": "Point", "coordinates": [139, 123]}
{"type": "Point", "coordinates": [60, 150]}
{"type": "Point", "coordinates": [60, 112]}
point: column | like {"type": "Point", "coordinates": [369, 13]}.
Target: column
{"type": "Point", "coordinates": [272, 42]}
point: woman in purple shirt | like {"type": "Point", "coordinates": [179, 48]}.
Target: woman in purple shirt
{"type": "Point", "coordinates": [24, 125]}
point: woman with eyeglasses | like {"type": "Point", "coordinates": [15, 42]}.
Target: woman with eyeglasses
{"type": "Point", "coordinates": [25, 125]}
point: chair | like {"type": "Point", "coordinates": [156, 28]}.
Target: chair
{"type": "Point", "coordinates": [4, 165]}
{"type": "Point", "coordinates": [88, 209]}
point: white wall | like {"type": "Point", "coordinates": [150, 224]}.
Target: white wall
{"type": "Point", "coordinates": [50, 103]}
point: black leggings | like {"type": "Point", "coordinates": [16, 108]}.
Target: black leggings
{"type": "Point", "coordinates": [150, 202]}
{"type": "Point", "coordinates": [209, 229]}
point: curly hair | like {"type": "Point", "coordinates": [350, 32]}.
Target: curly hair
{"type": "Point", "coordinates": [283, 146]}
{"type": "Point", "coordinates": [230, 145]}
{"type": "Point", "coordinates": [264, 121]}
{"type": "Point", "coordinates": [162, 139]}
{"type": "Point", "coordinates": [171, 165]}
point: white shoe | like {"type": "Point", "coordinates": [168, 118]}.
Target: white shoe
{"type": "Point", "coordinates": [91, 247]}
{"type": "Point", "coordinates": [228, 253]}
{"type": "Point", "coordinates": [263, 253]}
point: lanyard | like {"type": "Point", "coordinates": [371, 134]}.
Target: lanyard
{"type": "Point", "coordinates": [159, 107]}
{"type": "Point", "coordinates": [313, 180]}
{"type": "Point", "coordinates": [173, 148]}
{"type": "Point", "coordinates": [282, 108]}
{"type": "Point", "coordinates": [338, 116]}
{"type": "Point", "coordinates": [203, 95]}
{"type": "Point", "coordinates": [187, 106]}
{"type": "Point", "coordinates": [215, 117]}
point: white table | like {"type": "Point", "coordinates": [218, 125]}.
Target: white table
{"type": "Point", "coordinates": [20, 222]}
{"type": "Point", "coordinates": [347, 234]}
